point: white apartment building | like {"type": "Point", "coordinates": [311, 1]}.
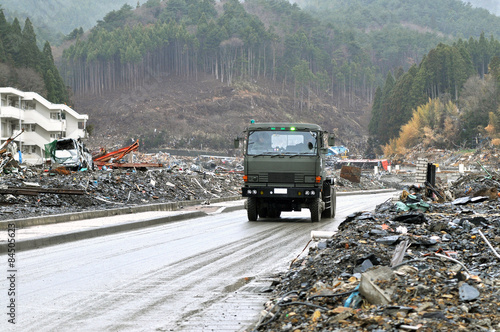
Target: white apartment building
{"type": "Point", "coordinates": [42, 121]}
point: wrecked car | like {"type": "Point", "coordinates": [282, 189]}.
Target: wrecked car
{"type": "Point", "coordinates": [70, 153]}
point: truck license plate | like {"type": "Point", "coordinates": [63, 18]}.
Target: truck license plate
{"type": "Point", "coordinates": [280, 191]}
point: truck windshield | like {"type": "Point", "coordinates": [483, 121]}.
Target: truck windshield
{"type": "Point", "coordinates": [261, 142]}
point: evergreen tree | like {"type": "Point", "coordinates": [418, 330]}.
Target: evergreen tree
{"type": "Point", "coordinates": [15, 39]}
{"type": "Point", "coordinates": [30, 53]}
{"type": "Point", "coordinates": [375, 115]}
{"type": "Point", "coordinates": [56, 90]}
{"type": "Point", "coordinates": [385, 110]}
{"type": "Point", "coordinates": [4, 37]}
{"type": "Point", "coordinates": [399, 103]}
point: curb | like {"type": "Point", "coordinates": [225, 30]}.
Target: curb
{"type": "Point", "coordinates": [96, 232]}
{"type": "Point", "coordinates": [107, 230]}
{"type": "Point", "coordinates": [58, 218]}
{"type": "Point", "coordinates": [366, 192]}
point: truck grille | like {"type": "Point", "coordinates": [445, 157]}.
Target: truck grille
{"type": "Point", "coordinates": [283, 178]}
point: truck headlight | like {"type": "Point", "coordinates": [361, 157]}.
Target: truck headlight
{"type": "Point", "coordinates": [313, 192]}
{"type": "Point", "coordinates": [306, 192]}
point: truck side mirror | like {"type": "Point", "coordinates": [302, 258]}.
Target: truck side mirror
{"type": "Point", "coordinates": [236, 143]}
{"type": "Point", "coordinates": [331, 140]}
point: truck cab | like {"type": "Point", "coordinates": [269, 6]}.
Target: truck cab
{"type": "Point", "coordinates": [284, 170]}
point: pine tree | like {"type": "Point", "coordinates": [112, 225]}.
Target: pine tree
{"type": "Point", "coordinates": [30, 54]}
{"type": "Point", "coordinates": [376, 109]}
{"type": "Point", "coordinates": [385, 110]}
{"type": "Point", "coordinates": [15, 38]}
{"type": "Point", "coordinates": [4, 37]}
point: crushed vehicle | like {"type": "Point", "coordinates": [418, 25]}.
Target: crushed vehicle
{"type": "Point", "coordinates": [69, 153]}
{"type": "Point", "coordinates": [284, 170]}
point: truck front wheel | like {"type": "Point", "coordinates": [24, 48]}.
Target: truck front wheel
{"type": "Point", "coordinates": [330, 198]}
{"type": "Point", "coordinates": [252, 208]}
{"type": "Point", "coordinates": [315, 208]}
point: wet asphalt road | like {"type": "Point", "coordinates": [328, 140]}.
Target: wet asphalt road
{"type": "Point", "coordinates": [203, 274]}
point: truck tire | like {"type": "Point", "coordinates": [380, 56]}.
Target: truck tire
{"type": "Point", "coordinates": [329, 197]}
{"type": "Point", "coordinates": [315, 208]}
{"type": "Point", "coordinates": [334, 202]}
{"type": "Point", "coordinates": [252, 208]}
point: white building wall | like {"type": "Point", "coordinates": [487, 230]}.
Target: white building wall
{"type": "Point", "coordinates": [43, 122]}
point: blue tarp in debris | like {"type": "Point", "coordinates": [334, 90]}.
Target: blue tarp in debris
{"type": "Point", "coordinates": [335, 150]}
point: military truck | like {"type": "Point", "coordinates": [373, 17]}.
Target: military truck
{"type": "Point", "coordinates": [284, 170]}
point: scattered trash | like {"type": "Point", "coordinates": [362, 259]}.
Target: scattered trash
{"type": "Point", "coordinates": [426, 269]}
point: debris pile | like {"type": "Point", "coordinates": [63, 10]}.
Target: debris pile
{"type": "Point", "coordinates": [367, 181]}
{"type": "Point", "coordinates": [433, 269]}
{"type": "Point", "coordinates": [485, 155]}
{"type": "Point", "coordinates": [61, 192]}
{"type": "Point", "coordinates": [7, 150]}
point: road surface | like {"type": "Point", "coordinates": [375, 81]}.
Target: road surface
{"type": "Point", "coordinates": [204, 274]}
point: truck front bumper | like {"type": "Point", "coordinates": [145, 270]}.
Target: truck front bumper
{"type": "Point", "coordinates": [281, 192]}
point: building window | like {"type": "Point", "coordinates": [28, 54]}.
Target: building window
{"type": "Point", "coordinates": [55, 116]}
{"type": "Point", "coordinates": [30, 105]}
{"type": "Point", "coordinates": [29, 149]}
{"type": "Point", "coordinates": [81, 125]}
{"type": "Point", "coordinates": [55, 136]}
{"type": "Point", "coordinates": [29, 127]}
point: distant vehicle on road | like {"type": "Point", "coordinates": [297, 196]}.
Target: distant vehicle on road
{"type": "Point", "coordinates": [284, 170]}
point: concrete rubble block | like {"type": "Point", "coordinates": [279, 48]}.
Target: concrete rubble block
{"type": "Point", "coordinates": [461, 200]}
{"type": "Point", "coordinates": [369, 285]}
{"type": "Point", "coordinates": [411, 218]}
{"type": "Point", "coordinates": [468, 292]}
{"type": "Point", "coordinates": [388, 240]}
{"type": "Point", "coordinates": [351, 173]}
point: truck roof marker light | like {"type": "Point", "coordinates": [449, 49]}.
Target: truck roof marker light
{"type": "Point", "coordinates": [283, 128]}
{"type": "Point", "coordinates": [245, 178]}
{"type": "Point", "coordinates": [252, 121]}
{"type": "Point", "coordinates": [318, 179]}
{"type": "Point", "coordinates": [273, 128]}
{"type": "Point", "coordinates": [292, 128]}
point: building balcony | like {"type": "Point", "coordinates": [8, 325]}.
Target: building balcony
{"type": "Point", "coordinates": [9, 112]}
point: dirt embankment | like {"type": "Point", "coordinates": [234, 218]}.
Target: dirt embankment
{"type": "Point", "coordinates": [205, 113]}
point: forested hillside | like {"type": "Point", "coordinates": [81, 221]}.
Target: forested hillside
{"type": "Point", "coordinates": [344, 54]}
{"type": "Point", "coordinates": [492, 5]}
{"type": "Point", "coordinates": [24, 66]}
{"type": "Point", "coordinates": [54, 19]}
{"type": "Point", "coordinates": [446, 102]}
{"type": "Point", "coordinates": [399, 33]}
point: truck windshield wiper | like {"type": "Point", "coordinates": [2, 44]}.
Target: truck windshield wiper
{"type": "Point", "coordinates": [263, 154]}
{"type": "Point", "coordinates": [302, 154]}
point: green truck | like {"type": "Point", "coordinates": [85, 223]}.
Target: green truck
{"type": "Point", "coordinates": [284, 170]}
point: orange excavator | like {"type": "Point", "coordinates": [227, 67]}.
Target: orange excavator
{"type": "Point", "coordinates": [113, 159]}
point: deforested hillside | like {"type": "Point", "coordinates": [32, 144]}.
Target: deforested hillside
{"type": "Point", "coordinates": [323, 61]}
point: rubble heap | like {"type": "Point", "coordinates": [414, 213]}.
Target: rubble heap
{"type": "Point", "coordinates": [27, 192]}
{"type": "Point", "coordinates": [110, 189]}
{"type": "Point", "coordinates": [435, 267]}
